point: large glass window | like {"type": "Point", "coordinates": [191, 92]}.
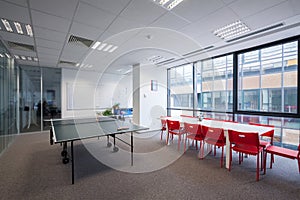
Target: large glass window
{"type": "Point", "coordinates": [267, 79]}
{"type": "Point", "coordinates": [181, 86]}
{"type": "Point", "coordinates": [214, 83]}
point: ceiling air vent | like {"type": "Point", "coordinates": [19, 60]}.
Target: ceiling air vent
{"type": "Point", "coordinates": [197, 51]}
{"type": "Point", "coordinates": [63, 62]}
{"type": "Point", "coordinates": [75, 40]}
{"type": "Point", "coordinates": [20, 46]}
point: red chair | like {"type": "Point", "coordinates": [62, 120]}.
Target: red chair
{"type": "Point", "coordinates": [163, 127]}
{"type": "Point", "coordinates": [193, 132]}
{"type": "Point", "coordinates": [266, 139]}
{"type": "Point", "coordinates": [245, 142]}
{"type": "Point", "coordinates": [215, 137]}
{"type": "Point", "coordinates": [174, 129]}
{"type": "Point", "coordinates": [284, 152]}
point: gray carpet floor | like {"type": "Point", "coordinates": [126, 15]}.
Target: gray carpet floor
{"type": "Point", "coordinates": [32, 169]}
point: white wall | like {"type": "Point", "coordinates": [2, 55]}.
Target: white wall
{"type": "Point", "coordinates": [85, 92]}
{"type": "Point", "coordinates": [153, 104]}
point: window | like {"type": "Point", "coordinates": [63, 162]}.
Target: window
{"type": "Point", "coordinates": [214, 83]}
{"type": "Point", "coordinates": [266, 77]}
{"type": "Point", "coordinates": [181, 86]}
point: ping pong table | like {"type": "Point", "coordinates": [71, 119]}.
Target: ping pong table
{"type": "Point", "coordinates": [66, 131]}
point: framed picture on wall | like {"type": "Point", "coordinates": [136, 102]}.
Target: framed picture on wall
{"type": "Point", "coordinates": [154, 85]}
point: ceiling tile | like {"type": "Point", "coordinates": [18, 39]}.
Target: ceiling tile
{"type": "Point", "coordinates": [122, 24]}
{"type": "Point", "coordinates": [283, 11]}
{"type": "Point", "coordinates": [73, 53]}
{"type": "Point", "coordinates": [246, 8]}
{"type": "Point", "coordinates": [136, 11]}
{"type": "Point", "coordinates": [20, 13]}
{"type": "Point", "coordinates": [110, 6]}
{"type": "Point", "coordinates": [48, 51]}
{"type": "Point", "coordinates": [295, 6]}
{"type": "Point", "coordinates": [228, 1]}
{"type": "Point", "coordinates": [207, 39]}
{"type": "Point", "coordinates": [24, 53]}
{"type": "Point", "coordinates": [48, 43]}
{"type": "Point", "coordinates": [171, 21]}
{"type": "Point", "coordinates": [49, 34]}
{"type": "Point", "coordinates": [211, 22]}
{"type": "Point", "coordinates": [65, 9]}
{"type": "Point", "coordinates": [19, 2]}
{"type": "Point", "coordinates": [14, 37]}
{"type": "Point", "coordinates": [50, 21]}
{"type": "Point", "coordinates": [194, 10]}
{"type": "Point", "coordinates": [86, 31]}
{"type": "Point", "coordinates": [92, 16]}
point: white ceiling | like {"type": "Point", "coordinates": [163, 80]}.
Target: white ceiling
{"type": "Point", "coordinates": [140, 28]}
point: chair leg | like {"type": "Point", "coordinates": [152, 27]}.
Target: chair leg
{"type": "Point", "coordinates": [230, 159]}
{"type": "Point", "coordinates": [257, 167]}
{"type": "Point", "coordinates": [179, 141]}
{"type": "Point", "coordinates": [185, 144]}
{"type": "Point", "coordinates": [167, 139]}
{"type": "Point", "coordinates": [299, 164]}
{"type": "Point", "coordinates": [271, 163]}
{"type": "Point", "coordinates": [161, 134]}
{"type": "Point", "coordinates": [222, 156]}
{"type": "Point", "coordinates": [265, 162]}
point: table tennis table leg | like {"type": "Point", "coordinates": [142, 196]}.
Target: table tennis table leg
{"type": "Point", "coordinates": [72, 158]}
{"type": "Point", "coordinates": [131, 145]}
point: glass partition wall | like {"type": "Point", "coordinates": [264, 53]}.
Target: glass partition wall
{"type": "Point", "coordinates": [8, 98]}
{"type": "Point", "coordinates": [253, 85]}
{"type": "Point", "coordinates": [40, 97]}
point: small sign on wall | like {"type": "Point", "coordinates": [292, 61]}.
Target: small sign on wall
{"type": "Point", "coordinates": [154, 85]}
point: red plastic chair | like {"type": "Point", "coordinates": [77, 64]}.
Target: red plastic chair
{"type": "Point", "coordinates": [163, 127]}
{"type": "Point", "coordinates": [215, 137]}
{"type": "Point", "coordinates": [284, 152]}
{"type": "Point", "coordinates": [174, 129]}
{"type": "Point", "coordinates": [193, 132]}
{"type": "Point", "coordinates": [266, 139]}
{"type": "Point", "coordinates": [245, 142]}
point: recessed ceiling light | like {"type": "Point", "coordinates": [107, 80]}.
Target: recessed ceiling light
{"type": "Point", "coordinates": [29, 30]}
{"type": "Point", "coordinates": [23, 57]}
{"type": "Point", "coordinates": [113, 49]}
{"type": "Point", "coordinates": [7, 25]}
{"type": "Point", "coordinates": [108, 47]}
{"type": "Point", "coordinates": [1, 55]}
{"type": "Point", "coordinates": [167, 3]}
{"type": "Point", "coordinates": [232, 30]}
{"type": "Point", "coordinates": [173, 4]}
{"type": "Point", "coordinates": [29, 58]}
{"type": "Point", "coordinates": [18, 27]}
{"type": "Point", "coordinates": [77, 64]}
{"type": "Point", "coordinates": [96, 45]}
{"type": "Point", "coordinates": [17, 57]}
{"type": "Point", "coordinates": [163, 2]}
{"type": "Point", "coordinates": [7, 55]}
{"type": "Point", "coordinates": [102, 46]}
{"type": "Point", "coordinates": [35, 59]}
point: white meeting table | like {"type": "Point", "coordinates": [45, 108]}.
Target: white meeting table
{"type": "Point", "coordinates": [226, 126]}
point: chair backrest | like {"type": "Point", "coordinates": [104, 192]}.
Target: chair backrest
{"type": "Point", "coordinates": [173, 124]}
{"type": "Point", "coordinates": [299, 151]}
{"type": "Point", "coordinates": [212, 133]}
{"type": "Point", "coordinates": [192, 128]}
{"type": "Point", "coordinates": [163, 123]}
{"type": "Point", "coordinates": [269, 134]}
{"type": "Point", "coordinates": [243, 138]}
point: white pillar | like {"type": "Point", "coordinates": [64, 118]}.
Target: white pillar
{"type": "Point", "coordinates": [136, 93]}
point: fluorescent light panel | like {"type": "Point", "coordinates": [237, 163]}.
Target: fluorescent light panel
{"type": "Point", "coordinates": [168, 4]}
{"type": "Point", "coordinates": [29, 30]}
{"type": "Point", "coordinates": [7, 25]}
{"type": "Point", "coordinates": [96, 45]}
{"type": "Point", "coordinates": [104, 47]}
{"type": "Point", "coordinates": [232, 30]}
{"type": "Point", "coordinates": [18, 27]}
